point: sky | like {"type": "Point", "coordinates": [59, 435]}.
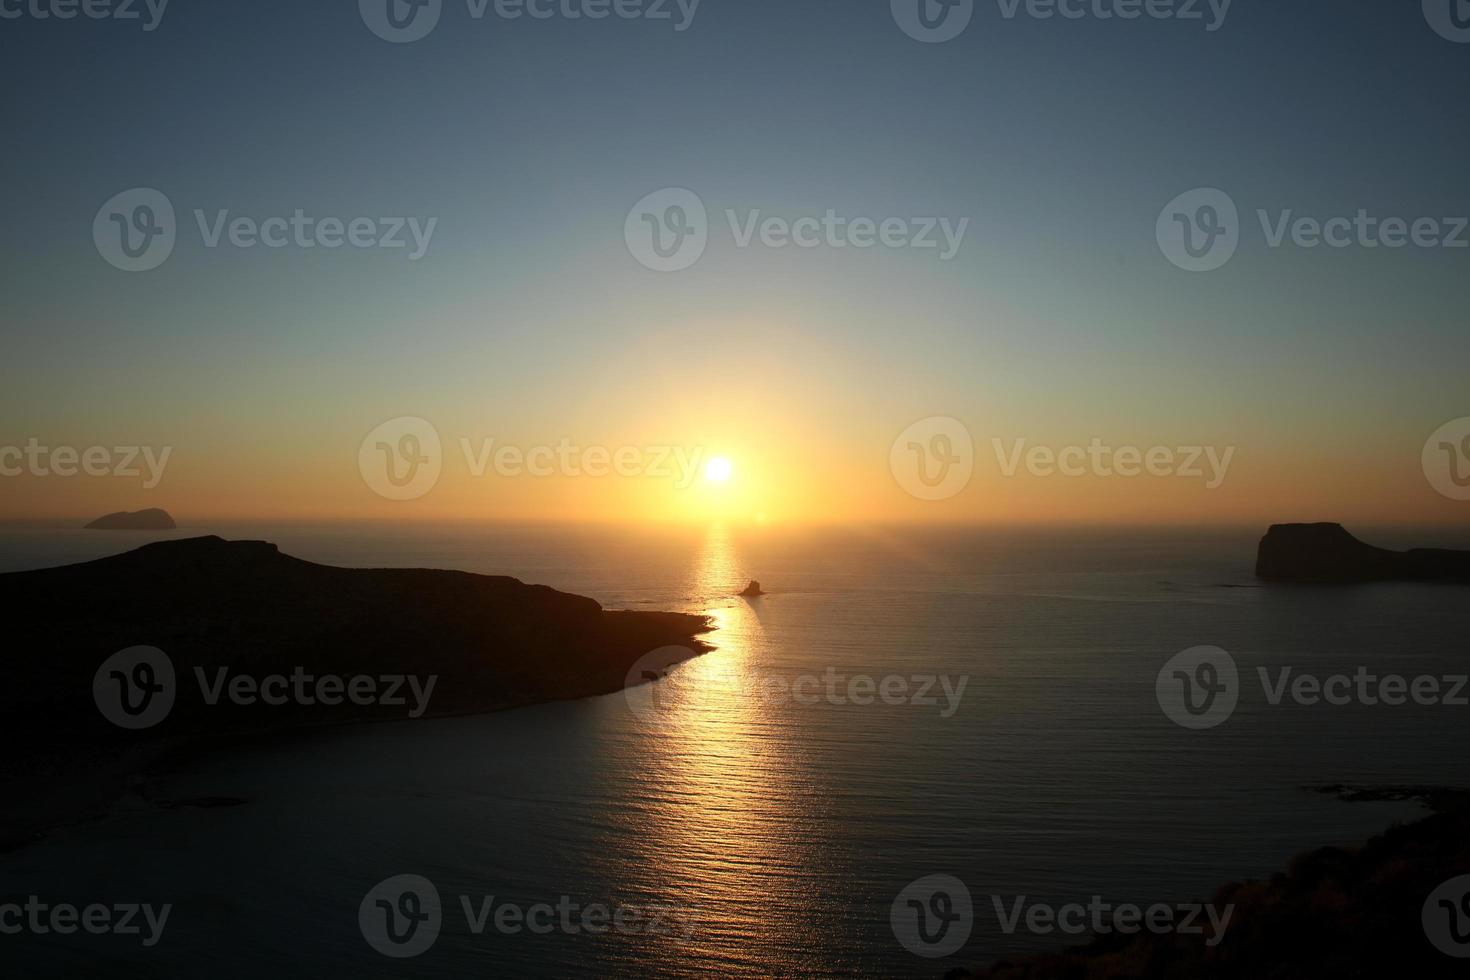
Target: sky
{"type": "Point", "coordinates": [277, 378]}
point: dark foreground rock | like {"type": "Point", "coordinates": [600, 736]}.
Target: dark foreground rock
{"type": "Point", "coordinates": [1327, 553]}
{"type": "Point", "coordinates": [1334, 913]}
{"type": "Point", "coordinates": [152, 519]}
{"type": "Point", "coordinates": [228, 613]}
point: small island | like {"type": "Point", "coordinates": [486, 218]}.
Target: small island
{"type": "Point", "coordinates": [1328, 554]}
{"type": "Point", "coordinates": [752, 590]}
{"type": "Point", "coordinates": [152, 519]}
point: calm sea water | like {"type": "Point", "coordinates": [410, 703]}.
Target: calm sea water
{"type": "Point", "coordinates": [780, 832]}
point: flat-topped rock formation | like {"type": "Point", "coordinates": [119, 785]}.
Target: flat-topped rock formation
{"type": "Point", "coordinates": [152, 519]}
{"type": "Point", "coordinates": [1327, 553]}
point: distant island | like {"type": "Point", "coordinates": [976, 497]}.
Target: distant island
{"type": "Point", "coordinates": [1327, 553]}
{"type": "Point", "coordinates": [241, 609]}
{"type": "Point", "coordinates": [152, 519]}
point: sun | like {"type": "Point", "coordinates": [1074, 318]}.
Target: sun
{"type": "Point", "coordinates": [718, 470]}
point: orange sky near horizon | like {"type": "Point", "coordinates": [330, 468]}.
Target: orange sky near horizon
{"type": "Point", "coordinates": [785, 478]}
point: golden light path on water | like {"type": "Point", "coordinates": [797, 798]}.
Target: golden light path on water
{"type": "Point", "coordinates": [729, 814]}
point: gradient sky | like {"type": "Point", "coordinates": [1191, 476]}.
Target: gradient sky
{"type": "Point", "coordinates": [529, 322]}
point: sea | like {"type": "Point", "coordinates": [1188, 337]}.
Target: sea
{"type": "Point", "coordinates": [976, 707]}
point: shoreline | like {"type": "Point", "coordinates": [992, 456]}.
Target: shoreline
{"type": "Point", "coordinates": [1360, 902]}
{"type": "Point", "coordinates": [127, 771]}
{"type": "Point", "coordinates": [208, 607]}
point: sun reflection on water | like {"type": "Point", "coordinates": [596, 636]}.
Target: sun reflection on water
{"type": "Point", "coordinates": [723, 794]}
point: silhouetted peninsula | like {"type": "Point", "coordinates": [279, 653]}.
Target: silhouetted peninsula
{"type": "Point", "coordinates": [152, 519]}
{"type": "Point", "coordinates": [241, 610]}
{"type": "Point", "coordinates": [1327, 553]}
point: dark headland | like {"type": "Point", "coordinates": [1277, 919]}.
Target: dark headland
{"type": "Point", "coordinates": [152, 519]}
{"type": "Point", "coordinates": [492, 642]}
{"type": "Point", "coordinates": [1333, 913]}
{"type": "Point", "coordinates": [1327, 553]}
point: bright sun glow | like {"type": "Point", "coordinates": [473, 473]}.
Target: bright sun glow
{"type": "Point", "coordinates": [718, 470]}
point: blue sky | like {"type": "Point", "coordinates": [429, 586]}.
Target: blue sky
{"type": "Point", "coordinates": [529, 140]}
